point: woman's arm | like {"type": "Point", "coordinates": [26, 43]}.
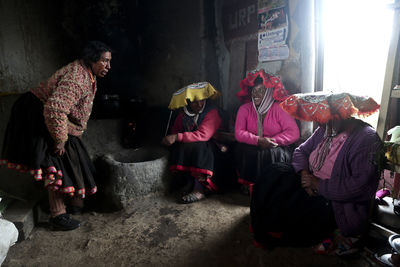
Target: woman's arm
{"type": "Point", "coordinates": [58, 106]}
{"type": "Point", "coordinates": [205, 131]}
{"type": "Point", "coordinates": [177, 127]}
{"type": "Point", "coordinates": [302, 153]}
{"type": "Point", "coordinates": [241, 133]}
{"type": "Point", "coordinates": [362, 181]}
{"type": "Point", "coordinates": [290, 131]}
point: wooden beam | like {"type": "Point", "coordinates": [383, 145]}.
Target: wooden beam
{"type": "Point", "coordinates": [237, 71]}
{"type": "Point", "coordinates": [388, 81]}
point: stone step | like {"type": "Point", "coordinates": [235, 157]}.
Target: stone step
{"type": "Point", "coordinates": [22, 214]}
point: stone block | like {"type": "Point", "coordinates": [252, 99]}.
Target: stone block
{"type": "Point", "coordinates": [21, 213]}
{"type": "Point", "coordinates": [134, 172]}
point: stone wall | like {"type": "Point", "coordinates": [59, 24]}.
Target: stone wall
{"type": "Point", "coordinates": [160, 46]}
{"type": "Point", "coordinates": [30, 43]}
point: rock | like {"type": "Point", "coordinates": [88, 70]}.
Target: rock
{"type": "Point", "coordinates": [133, 173]}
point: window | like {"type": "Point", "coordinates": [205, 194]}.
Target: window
{"type": "Point", "coordinates": [356, 36]}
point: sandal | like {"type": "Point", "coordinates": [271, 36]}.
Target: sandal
{"type": "Point", "coordinates": [192, 197]}
{"type": "Point", "coordinates": [349, 246]}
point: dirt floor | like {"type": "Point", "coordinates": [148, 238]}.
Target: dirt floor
{"type": "Point", "coordinates": [156, 231]}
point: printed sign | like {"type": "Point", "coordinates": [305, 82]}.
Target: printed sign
{"type": "Point", "coordinates": [269, 19]}
{"type": "Point", "coordinates": [239, 18]}
{"type": "Point", "coordinates": [272, 53]}
{"type": "Point", "coordinates": [273, 27]}
{"type": "Point", "coordinates": [272, 38]}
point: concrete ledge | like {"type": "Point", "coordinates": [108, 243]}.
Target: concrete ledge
{"type": "Point", "coordinates": [21, 214]}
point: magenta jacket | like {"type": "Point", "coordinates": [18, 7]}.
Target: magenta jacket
{"type": "Point", "coordinates": [277, 124]}
{"type": "Point", "coordinates": [207, 128]}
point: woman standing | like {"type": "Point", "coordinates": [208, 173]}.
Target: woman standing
{"type": "Point", "coordinates": [264, 131]}
{"type": "Point", "coordinates": [44, 130]}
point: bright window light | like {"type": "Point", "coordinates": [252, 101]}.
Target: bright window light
{"type": "Point", "coordinates": [356, 41]}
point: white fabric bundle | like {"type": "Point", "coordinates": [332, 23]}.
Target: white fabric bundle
{"type": "Point", "coordinates": [8, 237]}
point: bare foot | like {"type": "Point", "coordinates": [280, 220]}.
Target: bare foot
{"type": "Point", "coordinates": [193, 197]}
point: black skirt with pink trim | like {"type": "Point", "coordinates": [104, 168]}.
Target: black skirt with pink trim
{"type": "Point", "coordinates": [251, 161]}
{"type": "Point", "coordinates": [27, 147]}
{"type": "Point", "coordinates": [196, 158]}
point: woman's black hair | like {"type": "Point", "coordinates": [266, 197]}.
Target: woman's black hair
{"type": "Point", "coordinates": [92, 52]}
{"type": "Point", "coordinates": [257, 81]}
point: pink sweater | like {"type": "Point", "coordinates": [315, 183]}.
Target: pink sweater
{"type": "Point", "coordinates": [326, 170]}
{"type": "Point", "coordinates": [206, 130]}
{"type": "Point", "coordinates": [277, 124]}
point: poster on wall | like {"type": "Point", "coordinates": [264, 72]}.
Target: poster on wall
{"type": "Point", "coordinates": [272, 38]}
{"type": "Point", "coordinates": [273, 28]}
{"type": "Point", "coordinates": [269, 19]}
{"type": "Point", "coordinates": [279, 52]}
{"type": "Point", "coordinates": [269, 4]}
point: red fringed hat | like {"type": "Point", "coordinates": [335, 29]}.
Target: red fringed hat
{"type": "Point", "coordinates": [269, 81]}
{"type": "Point", "coordinates": [323, 107]}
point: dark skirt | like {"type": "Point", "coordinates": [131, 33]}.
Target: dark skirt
{"type": "Point", "coordinates": [197, 159]}
{"type": "Point", "coordinates": [283, 214]}
{"type": "Point", "coordinates": [251, 160]}
{"type": "Point", "coordinates": [27, 147]}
